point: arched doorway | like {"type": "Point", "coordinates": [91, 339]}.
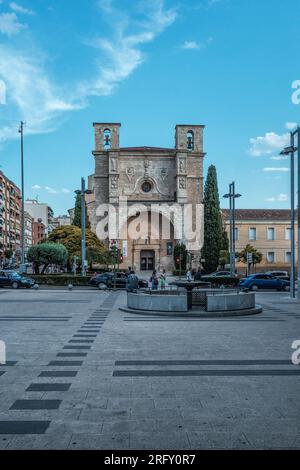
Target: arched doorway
{"type": "Point", "coordinates": [147, 262]}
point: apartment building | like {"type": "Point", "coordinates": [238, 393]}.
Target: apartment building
{"type": "Point", "coordinates": [28, 237]}
{"type": "Point", "coordinates": [10, 218]}
{"type": "Point", "coordinates": [268, 231]}
{"type": "Point", "coordinates": [40, 211]}
{"type": "Point", "coordinates": [38, 231]}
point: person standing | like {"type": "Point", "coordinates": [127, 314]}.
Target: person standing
{"type": "Point", "coordinates": [163, 277]}
{"type": "Point", "coordinates": [189, 275]}
{"type": "Point", "coordinates": [198, 275]}
{"type": "Point", "coordinates": [154, 280]}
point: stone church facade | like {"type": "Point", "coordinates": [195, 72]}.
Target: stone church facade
{"type": "Point", "coordinates": [148, 178]}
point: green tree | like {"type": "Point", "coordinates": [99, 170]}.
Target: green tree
{"type": "Point", "coordinates": [213, 232]}
{"type": "Point", "coordinates": [256, 255]}
{"type": "Point", "coordinates": [180, 251]}
{"type": "Point", "coordinates": [70, 237]}
{"type": "Point", "coordinates": [47, 253]}
{"type": "Point", "coordinates": [77, 213]}
{"type": "Point", "coordinates": [224, 252]}
{"type": "Point", "coordinates": [8, 254]}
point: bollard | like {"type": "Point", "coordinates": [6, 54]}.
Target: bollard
{"type": "Point", "coordinates": [36, 287]}
{"type": "Point", "coordinates": [70, 287]}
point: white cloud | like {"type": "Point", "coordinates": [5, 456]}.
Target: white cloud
{"type": "Point", "coordinates": [19, 9]}
{"type": "Point", "coordinates": [280, 198]}
{"type": "Point", "coordinates": [194, 45]}
{"type": "Point", "coordinates": [39, 102]}
{"type": "Point", "coordinates": [290, 125]}
{"type": "Point", "coordinates": [30, 91]}
{"type": "Point", "coordinates": [280, 169]}
{"type": "Point", "coordinates": [51, 190]}
{"type": "Point", "coordinates": [268, 144]}
{"type": "Point", "coordinates": [279, 157]}
{"type": "Point", "coordinates": [123, 51]}
{"type": "Point", "coordinates": [190, 45]}
{"type": "Point", "coordinates": [9, 24]}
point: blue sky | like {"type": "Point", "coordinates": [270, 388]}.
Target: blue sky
{"type": "Point", "coordinates": [150, 64]}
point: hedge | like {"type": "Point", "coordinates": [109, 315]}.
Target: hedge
{"type": "Point", "coordinates": [60, 280]}
{"type": "Point", "coordinates": [221, 281]}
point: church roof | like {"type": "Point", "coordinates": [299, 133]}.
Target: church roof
{"type": "Point", "coordinates": [147, 149]}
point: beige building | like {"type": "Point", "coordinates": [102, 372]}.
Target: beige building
{"type": "Point", "coordinates": [267, 230]}
{"type": "Point", "coordinates": [10, 218]}
{"type": "Point", "coordinates": [147, 176]}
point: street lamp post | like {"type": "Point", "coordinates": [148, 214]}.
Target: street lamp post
{"type": "Point", "coordinates": [291, 150]}
{"type": "Point", "coordinates": [82, 193]}
{"type": "Point", "coordinates": [21, 132]}
{"type": "Point", "coordinates": [232, 196]}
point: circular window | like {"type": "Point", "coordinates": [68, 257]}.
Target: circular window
{"type": "Point", "coordinates": [146, 187]}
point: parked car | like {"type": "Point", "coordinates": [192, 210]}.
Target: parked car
{"type": "Point", "coordinates": [280, 274]}
{"type": "Point", "coordinates": [264, 281]}
{"type": "Point", "coordinates": [221, 274]}
{"type": "Point", "coordinates": [15, 280]}
{"type": "Point", "coordinates": [106, 280]}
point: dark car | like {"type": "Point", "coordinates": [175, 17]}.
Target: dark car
{"type": "Point", "coordinates": [15, 280]}
{"type": "Point", "coordinates": [220, 274]}
{"type": "Point", "coordinates": [264, 281]}
{"type": "Point", "coordinates": [280, 274]}
{"type": "Point", "coordinates": [106, 280]}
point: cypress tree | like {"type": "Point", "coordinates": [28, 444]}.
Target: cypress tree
{"type": "Point", "coordinates": [213, 231]}
{"type": "Point", "coordinates": [77, 213]}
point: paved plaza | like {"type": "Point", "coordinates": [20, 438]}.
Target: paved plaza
{"type": "Point", "coordinates": [80, 374]}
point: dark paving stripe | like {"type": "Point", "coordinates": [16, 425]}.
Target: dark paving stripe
{"type": "Point", "coordinates": [213, 373]}
{"type": "Point", "coordinates": [218, 362]}
{"type": "Point", "coordinates": [2, 372]}
{"type": "Point", "coordinates": [188, 320]}
{"type": "Point", "coordinates": [89, 331]}
{"type": "Point", "coordinates": [77, 347]}
{"type": "Point", "coordinates": [40, 317]}
{"type": "Point", "coordinates": [48, 387]}
{"type": "Point", "coordinates": [24, 427]}
{"type": "Point", "coordinates": [36, 405]}
{"type": "Point", "coordinates": [32, 319]}
{"type": "Point", "coordinates": [58, 373]}
{"type": "Point", "coordinates": [45, 301]}
{"type": "Point", "coordinates": [9, 364]}
{"type": "Point", "coordinates": [81, 341]}
{"type": "Point", "coordinates": [65, 363]}
{"type": "Point", "coordinates": [71, 354]}
{"type": "Point", "coordinates": [84, 336]}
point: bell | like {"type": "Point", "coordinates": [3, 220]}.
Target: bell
{"type": "Point", "coordinates": [190, 143]}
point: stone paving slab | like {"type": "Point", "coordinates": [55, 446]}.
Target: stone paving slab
{"type": "Point", "coordinates": [227, 389]}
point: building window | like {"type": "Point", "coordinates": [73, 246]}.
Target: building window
{"type": "Point", "coordinates": [146, 187]}
{"type": "Point", "coordinates": [288, 233]}
{"type": "Point", "coordinates": [107, 139]}
{"type": "Point", "coordinates": [271, 257]}
{"type": "Point", "coordinates": [169, 248]}
{"type": "Point", "coordinates": [190, 140]}
{"type": "Point", "coordinates": [271, 233]}
{"type": "Point", "coordinates": [288, 257]}
{"type": "Point", "coordinates": [252, 233]}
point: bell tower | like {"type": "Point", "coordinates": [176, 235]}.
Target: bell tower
{"type": "Point", "coordinates": [107, 136]}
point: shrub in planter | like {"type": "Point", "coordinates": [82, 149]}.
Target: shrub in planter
{"type": "Point", "coordinates": [60, 280]}
{"type": "Point", "coordinates": [221, 281]}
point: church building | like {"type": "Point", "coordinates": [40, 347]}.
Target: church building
{"type": "Point", "coordinates": [149, 181]}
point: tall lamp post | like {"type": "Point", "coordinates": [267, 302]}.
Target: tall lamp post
{"type": "Point", "coordinates": [291, 150]}
{"type": "Point", "coordinates": [21, 132]}
{"type": "Point", "coordinates": [232, 196]}
{"type": "Point", "coordinates": [82, 193]}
